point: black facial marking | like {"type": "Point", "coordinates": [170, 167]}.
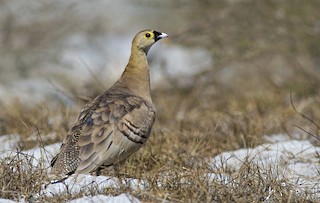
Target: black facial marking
{"type": "Point", "coordinates": [156, 35]}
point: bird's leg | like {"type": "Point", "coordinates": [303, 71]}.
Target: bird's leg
{"type": "Point", "coordinates": [98, 171]}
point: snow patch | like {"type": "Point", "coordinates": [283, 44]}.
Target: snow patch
{"type": "Point", "coordinates": [7, 201]}
{"type": "Point", "coordinates": [294, 161]}
{"type": "Point", "coordinates": [38, 155]}
{"type": "Point", "coordinates": [84, 182]}
{"type": "Point", "coordinates": [9, 142]}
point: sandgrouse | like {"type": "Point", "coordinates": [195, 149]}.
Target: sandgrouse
{"type": "Point", "coordinates": [116, 123]}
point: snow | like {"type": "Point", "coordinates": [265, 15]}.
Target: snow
{"type": "Point", "coordinates": [38, 155]}
{"type": "Point", "coordinates": [292, 160]}
{"type": "Point", "coordinates": [6, 201]}
{"type": "Point", "coordinates": [9, 142]}
{"type": "Point", "coordinates": [84, 182]}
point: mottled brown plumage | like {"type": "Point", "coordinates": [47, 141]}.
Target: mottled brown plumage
{"type": "Point", "coordinates": [116, 123]}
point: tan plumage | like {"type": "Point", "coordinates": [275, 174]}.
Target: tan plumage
{"type": "Point", "coordinates": [116, 123]}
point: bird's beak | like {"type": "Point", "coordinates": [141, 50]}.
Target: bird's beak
{"type": "Point", "coordinates": [160, 35]}
{"type": "Point", "coordinates": [163, 35]}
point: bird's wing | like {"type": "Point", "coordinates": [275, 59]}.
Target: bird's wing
{"type": "Point", "coordinates": [110, 129]}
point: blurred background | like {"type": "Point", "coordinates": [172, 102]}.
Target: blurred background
{"type": "Point", "coordinates": [229, 65]}
{"type": "Point", "coordinates": [46, 46]}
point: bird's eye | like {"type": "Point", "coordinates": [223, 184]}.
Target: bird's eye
{"type": "Point", "coordinates": [148, 35]}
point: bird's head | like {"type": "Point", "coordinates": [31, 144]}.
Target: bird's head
{"type": "Point", "coordinates": [146, 38]}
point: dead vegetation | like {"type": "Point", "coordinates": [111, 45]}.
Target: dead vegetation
{"type": "Point", "coordinates": [263, 51]}
{"type": "Point", "coordinates": [20, 177]}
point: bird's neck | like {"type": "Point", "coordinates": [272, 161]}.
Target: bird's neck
{"type": "Point", "coordinates": [136, 78]}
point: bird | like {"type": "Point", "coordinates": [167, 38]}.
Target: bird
{"type": "Point", "coordinates": [115, 124]}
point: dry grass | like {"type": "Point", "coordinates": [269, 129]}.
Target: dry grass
{"type": "Point", "coordinates": [19, 177]}
{"type": "Point", "coordinates": [269, 52]}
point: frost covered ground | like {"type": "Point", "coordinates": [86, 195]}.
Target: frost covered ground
{"type": "Point", "coordinates": [293, 161]}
